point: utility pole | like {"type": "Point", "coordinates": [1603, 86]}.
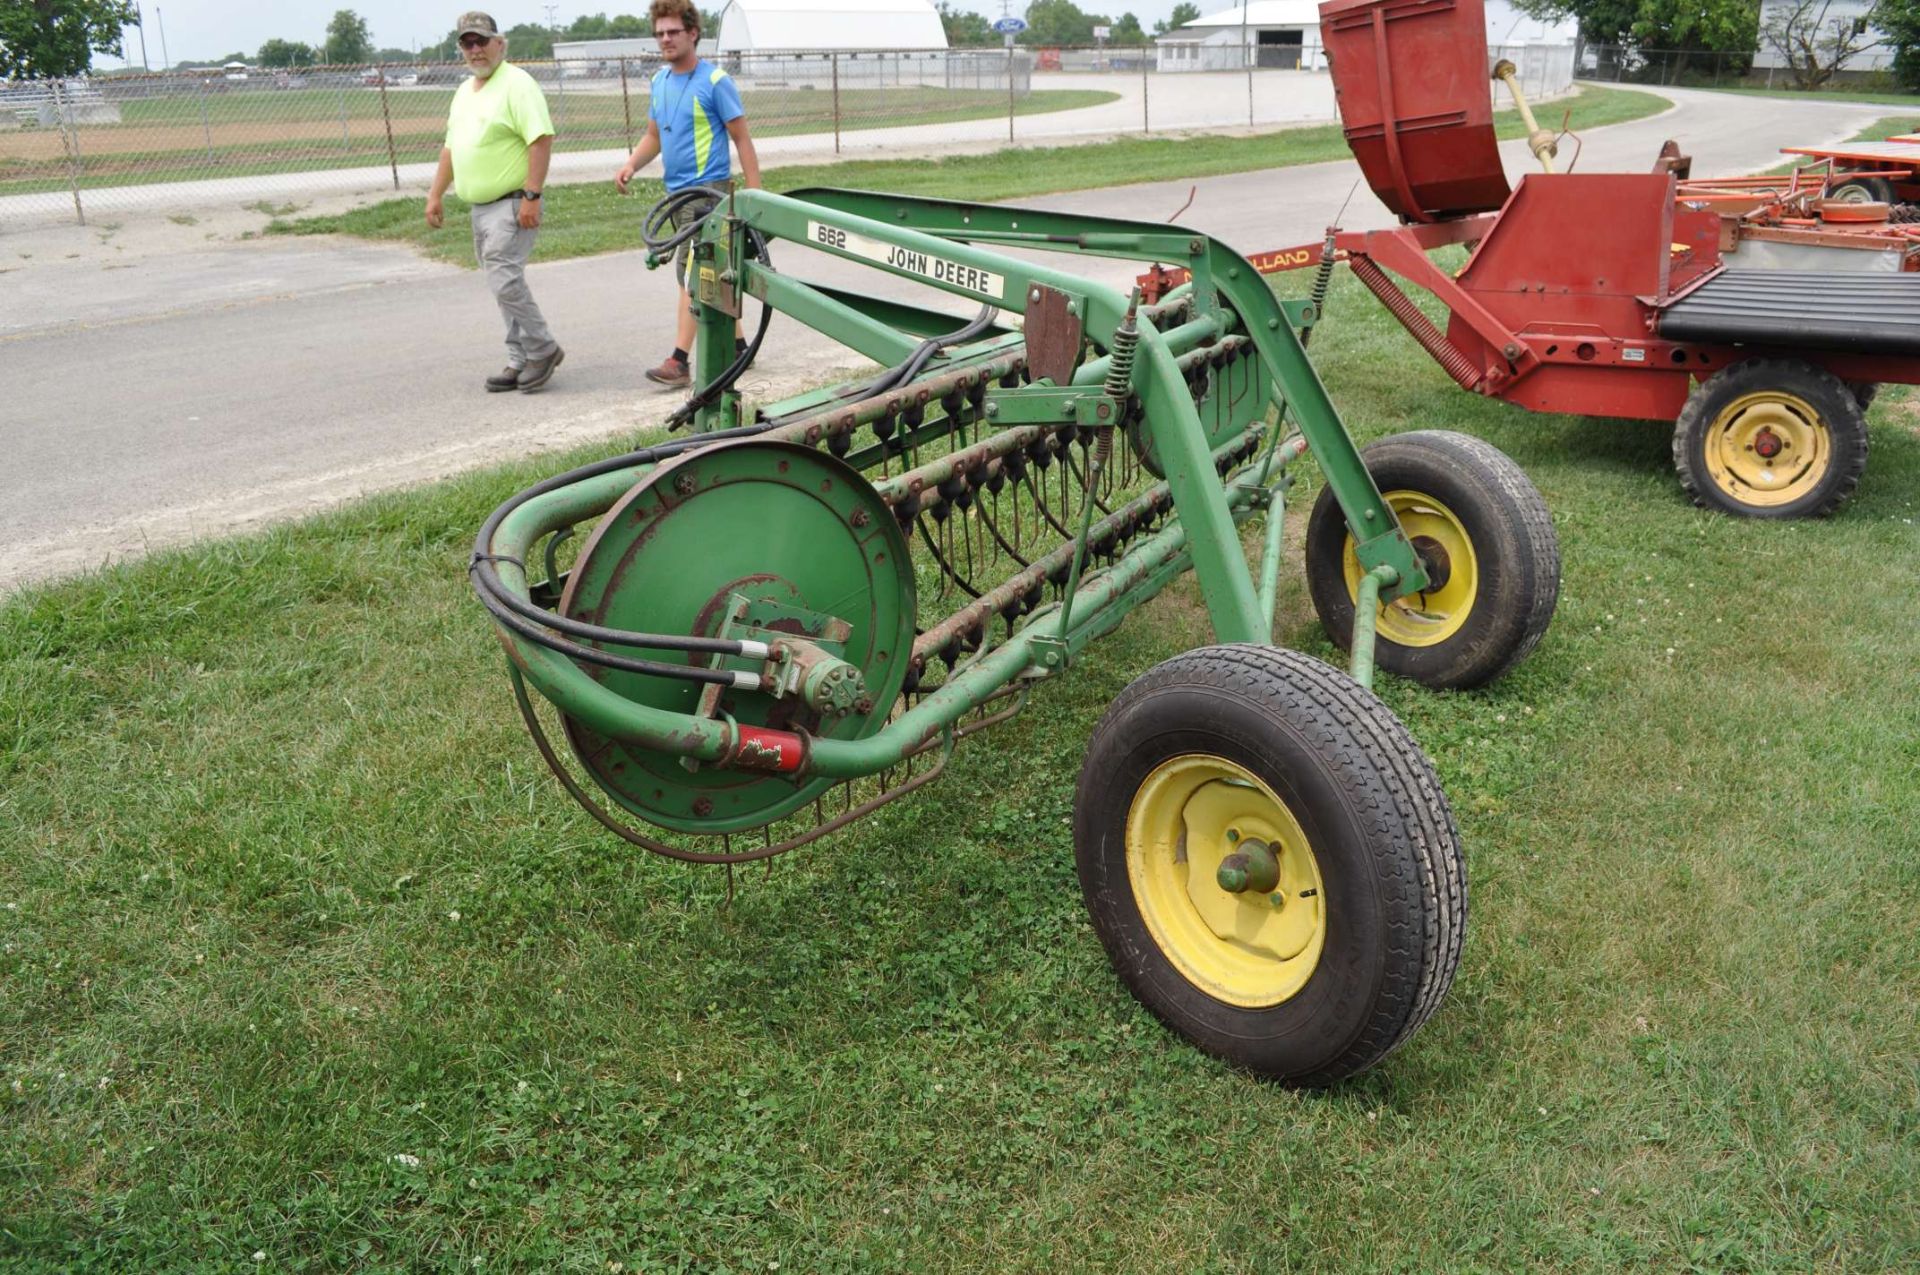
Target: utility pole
{"type": "Point", "coordinates": [165, 60]}
{"type": "Point", "coordinates": [140, 21]}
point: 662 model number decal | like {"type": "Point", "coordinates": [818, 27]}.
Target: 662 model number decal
{"type": "Point", "coordinates": [910, 260]}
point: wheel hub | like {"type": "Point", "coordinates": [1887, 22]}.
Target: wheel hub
{"type": "Point", "coordinates": [1435, 558]}
{"type": "Point", "coordinates": [1226, 880]}
{"type": "Point", "coordinates": [1768, 448]}
{"type": "Point", "coordinates": [1252, 867]}
{"type": "Point", "coordinates": [1440, 537]}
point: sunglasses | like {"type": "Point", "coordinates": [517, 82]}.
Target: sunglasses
{"type": "Point", "coordinates": [665, 33]}
{"type": "Point", "coordinates": [475, 41]}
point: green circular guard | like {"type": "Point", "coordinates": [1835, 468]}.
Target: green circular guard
{"type": "Point", "coordinates": [747, 539]}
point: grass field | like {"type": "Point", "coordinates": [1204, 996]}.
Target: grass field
{"type": "Point", "coordinates": [590, 217]}
{"type": "Point", "coordinates": [1832, 95]}
{"type": "Point", "coordinates": [245, 134]}
{"type": "Point", "coordinates": [308, 965]}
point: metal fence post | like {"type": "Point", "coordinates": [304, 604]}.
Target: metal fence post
{"type": "Point", "coordinates": [1146, 118]}
{"type": "Point", "coordinates": [626, 102]}
{"type": "Point", "coordinates": [71, 145]}
{"type": "Point", "coordinates": [346, 141]}
{"type": "Point", "coordinates": [205, 127]}
{"type": "Point", "coordinates": [836, 103]}
{"type": "Point", "coordinates": [1009, 91]}
{"type": "Point", "coordinates": [393, 161]}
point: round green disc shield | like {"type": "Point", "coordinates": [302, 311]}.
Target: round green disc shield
{"type": "Point", "coordinates": [752, 540]}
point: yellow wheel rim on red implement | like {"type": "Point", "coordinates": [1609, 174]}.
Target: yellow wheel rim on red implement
{"type": "Point", "coordinates": [1251, 947]}
{"type": "Point", "coordinates": [1441, 539]}
{"type": "Point", "coordinates": [1768, 448]}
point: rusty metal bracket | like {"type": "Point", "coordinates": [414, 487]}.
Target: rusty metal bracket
{"type": "Point", "coordinates": [1055, 332]}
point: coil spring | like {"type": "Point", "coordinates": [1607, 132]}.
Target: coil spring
{"type": "Point", "coordinates": [1126, 338]}
{"type": "Point", "coordinates": [1322, 283]}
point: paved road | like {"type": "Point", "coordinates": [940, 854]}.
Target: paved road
{"type": "Point", "coordinates": [151, 401]}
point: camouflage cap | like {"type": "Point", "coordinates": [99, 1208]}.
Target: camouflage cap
{"type": "Point", "coordinates": [476, 23]}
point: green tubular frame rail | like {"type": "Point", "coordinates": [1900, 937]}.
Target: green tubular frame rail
{"type": "Point", "coordinates": [1215, 475]}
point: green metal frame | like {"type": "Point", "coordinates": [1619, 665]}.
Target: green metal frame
{"type": "Point", "coordinates": [902, 236]}
{"type": "Point", "coordinates": [948, 229]}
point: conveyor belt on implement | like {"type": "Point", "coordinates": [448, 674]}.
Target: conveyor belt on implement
{"type": "Point", "coordinates": [1800, 309]}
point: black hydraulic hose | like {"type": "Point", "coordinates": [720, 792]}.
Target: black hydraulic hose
{"type": "Point", "coordinates": [514, 613]}
{"type": "Point", "coordinates": [685, 672]}
{"type": "Point", "coordinates": [652, 228]}
{"type": "Point", "coordinates": [509, 609]}
{"type": "Point", "coordinates": [914, 363]}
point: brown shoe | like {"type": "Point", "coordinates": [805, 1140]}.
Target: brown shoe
{"type": "Point", "coordinates": [508, 379]}
{"type": "Point", "coordinates": [539, 371]}
{"type": "Point", "coordinates": [671, 373]}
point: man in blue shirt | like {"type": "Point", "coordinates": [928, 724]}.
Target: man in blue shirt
{"type": "Point", "coordinates": [693, 107]}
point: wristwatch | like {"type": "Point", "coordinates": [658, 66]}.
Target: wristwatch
{"type": "Point", "coordinates": [530, 194]}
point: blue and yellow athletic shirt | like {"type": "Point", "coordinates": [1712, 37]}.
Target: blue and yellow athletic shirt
{"type": "Point", "coordinates": [692, 112]}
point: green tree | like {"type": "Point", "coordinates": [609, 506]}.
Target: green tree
{"type": "Point", "coordinates": [528, 42]}
{"type": "Point", "coordinates": [47, 39]}
{"type": "Point", "coordinates": [598, 26]}
{"type": "Point", "coordinates": [348, 40]}
{"type": "Point", "coordinates": [1816, 42]}
{"type": "Point", "coordinates": [1127, 31]}
{"type": "Point", "coordinates": [1055, 22]}
{"type": "Point", "coordinates": [1900, 19]}
{"type": "Point", "coordinates": [1182, 14]}
{"type": "Point", "coordinates": [964, 27]}
{"type": "Point", "coordinates": [286, 53]}
{"type": "Point", "coordinates": [1731, 26]}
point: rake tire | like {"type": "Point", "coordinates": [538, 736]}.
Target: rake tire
{"type": "Point", "coordinates": [1496, 509]}
{"type": "Point", "coordinates": [1365, 798]}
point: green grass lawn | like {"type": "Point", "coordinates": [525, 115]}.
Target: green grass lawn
{"type": "Point", "coordinates": [307, 964]}
{"type": "Point", "coordinates": [1841, 94]}
{"type": "Point", "coordinates": [590, 217]}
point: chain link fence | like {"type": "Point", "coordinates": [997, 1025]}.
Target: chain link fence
{"type": "Point", "coordinates": [1754, 69]}
{"type": "Point", "coordinates": [70, 147]}
{"type": "Point", "coordinates": [85, 140]}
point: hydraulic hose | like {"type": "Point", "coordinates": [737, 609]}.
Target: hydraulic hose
{"type": "Point", "coordinates": [662, 237]}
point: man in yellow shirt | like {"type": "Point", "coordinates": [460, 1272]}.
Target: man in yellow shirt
{"type": "Point", "coordinates": [499, 143]}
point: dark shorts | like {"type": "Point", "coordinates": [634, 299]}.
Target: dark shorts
{"type": "Point", "coordinates": [683, 217]}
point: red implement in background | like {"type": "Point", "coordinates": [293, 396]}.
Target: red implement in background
{"type": "Point", "coordinates": [1415, 105]}
{"type": "Point", "coordinates": [1618, 294]}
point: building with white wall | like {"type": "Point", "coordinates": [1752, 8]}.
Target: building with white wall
{"type": "Point", "coordinates": [748, 26]}
{"type": "Point", "coordinates": [1286, 34]}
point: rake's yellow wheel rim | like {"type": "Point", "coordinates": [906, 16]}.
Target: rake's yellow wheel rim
{"type": "Point", "coordinates": [1768, 448]}
{"type": "Point", "coordinates": [1249, 949]}
{"type": "Point", "coordinates": [1429, 618]}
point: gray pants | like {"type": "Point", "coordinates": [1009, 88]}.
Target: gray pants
{"type": "Point", "coordinates": [502, 248]}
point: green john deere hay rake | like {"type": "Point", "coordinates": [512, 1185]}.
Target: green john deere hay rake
{"type": "Point", "coordinates": [790, 617]}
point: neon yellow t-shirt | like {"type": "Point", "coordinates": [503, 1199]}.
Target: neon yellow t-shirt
{"type": "Point", "coordinates": [489, 130]}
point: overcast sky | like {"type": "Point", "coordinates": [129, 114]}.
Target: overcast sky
{"type": "Point", "coordinates": [202, 30]}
